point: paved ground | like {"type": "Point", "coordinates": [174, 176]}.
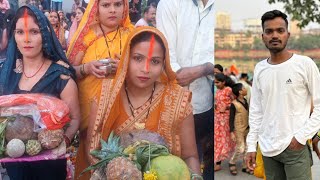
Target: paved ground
{"type": "Point", "coordinates": [224, 174]}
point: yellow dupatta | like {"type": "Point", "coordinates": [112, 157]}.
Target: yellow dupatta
{"type": "Point", "coordinates": [174, 103]}
{"type": "Point", "coordinates": [85, 40]}
{"type": "Point", "coordinates": [88, 20]}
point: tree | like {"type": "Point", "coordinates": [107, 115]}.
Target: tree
{"type": "Point", "coordinates": [305, 11]}
{"type": "Point", "coordinates": [258, 44]}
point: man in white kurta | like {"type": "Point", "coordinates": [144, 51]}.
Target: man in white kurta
{"type": "Point", "coordinates": [188, 26]}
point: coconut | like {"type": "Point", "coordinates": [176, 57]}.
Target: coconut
{"type": "Point", "coordinates": [129, 138]}
{"type": "Point", "coordinates": [20, 128]}
{"type": "Point", "coordinates": [15, 148]}
{"type": "Point", "coordinates": [170, 167]}
{"type": "Point", "coordinates": [50, 139]}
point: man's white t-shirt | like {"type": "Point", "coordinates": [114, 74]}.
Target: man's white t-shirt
{"type": "Point", "coordinates": [141, 22]}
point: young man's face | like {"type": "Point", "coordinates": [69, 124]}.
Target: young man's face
{"type": "Point", "coordinates": [275, 34]}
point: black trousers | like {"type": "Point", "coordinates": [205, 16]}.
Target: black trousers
{"type": "Point", "coordinates": [203, 123]}
{"type": "Point", "coordinates": [37, 170]}
{"type": "Point", "coordinates": [204, 137]}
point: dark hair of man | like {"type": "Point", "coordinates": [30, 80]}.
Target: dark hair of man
{"type": "Point", "coordinates": [236, 88]}
{"type": "Point", "coordinates": [223, 78]}
{"type": "Point", "coordinates": [153, 4]}
{"type": "Point", "coordinates": [146, 10]}
{"type": "Point", "coordinates": [243, 75]}
{"type": "Point", "coordinates": [219, 67]}
{"type": "Point", "coordinates": [270, 15]}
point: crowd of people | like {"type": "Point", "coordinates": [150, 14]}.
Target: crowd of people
{"type": "Point", "coordinates": [231, 95]}
{"type": "Point", "coordinates": [272, 122]}
{"type": "Point", "coordinates": [118, 68]}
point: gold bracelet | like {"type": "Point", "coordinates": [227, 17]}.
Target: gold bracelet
{"type": "Point", "coordinates": [82, 72]}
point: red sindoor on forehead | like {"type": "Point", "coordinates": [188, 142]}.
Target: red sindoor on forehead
{"type": "Point", "coordinates": [26, 31]}
{"type": "Point", "coordinates": [150, 52]}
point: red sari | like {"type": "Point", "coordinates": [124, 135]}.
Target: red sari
{"type": "Point", "coordinates": [223, 145]}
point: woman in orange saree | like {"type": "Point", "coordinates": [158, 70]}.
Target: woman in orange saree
{"type": "Point", "coordinates": [101, 34]}
{"type": "Point", "coordinates": [144, 95]}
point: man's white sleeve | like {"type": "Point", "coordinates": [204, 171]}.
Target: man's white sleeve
{"type": "Point", "coordinates": [255, 115]}
{"type": "Point", "coordinates": [312, 126]}
{"type": "Point", "coordinates": [166, 19]}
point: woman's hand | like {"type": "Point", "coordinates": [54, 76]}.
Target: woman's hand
{"type": "Point", "coordinates": [189, 151]}
{"type": "Point", "coordinates": [100, 69]}
{"type": "Point", "coordinates": [70, 96]}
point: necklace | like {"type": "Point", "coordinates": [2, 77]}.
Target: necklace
{"type": "Point", "coordinates": [106, 39]}
{"type": "Point", "coordinates": [34, 73]}
{"type": "Point", "coordinates": [132, 109]}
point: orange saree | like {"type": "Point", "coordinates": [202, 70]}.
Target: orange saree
{"type": "Point", "coordinates": [169, 107]}
{"type": "Point", "coordinates": [85, 40]}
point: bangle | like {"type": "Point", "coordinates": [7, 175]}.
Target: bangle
{"type": "Point", "coordinates": [82, 71]}
{"type": "Point", "coordinates": [196, 176]}
{"type": "Point", "coordinates": [67, 140]}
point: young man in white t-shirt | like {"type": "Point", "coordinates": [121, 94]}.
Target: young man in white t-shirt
{"type": "Point", "coordinates": [284, 85]}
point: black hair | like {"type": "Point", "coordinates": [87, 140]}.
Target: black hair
{"type": "Point", "coordinates": [146, 36]}
{"type": "Point", "coordinates": [146, 10]}
{"type": "Point", "coordinates": [82, 9]}
{"type": "Point", "coordinates": [272, 15]}
{"type": "Point", "coordinates": [6, 19]}
{"type": "Point", "coordinates": [218, 66]}
{"type": "Point", "coordinates": [20, 14]}
{"type": "Point", "coordinates": [223, 78]}
{"type": "Point", "coordinates": [244, 75]}
{"type": "Point", "coordinates": [236, 88]}
{"type": "Point", "coordinates": [153, 4]}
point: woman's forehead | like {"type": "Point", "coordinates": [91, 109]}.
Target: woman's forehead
{"type": "Point", "coordinates": [30, 22]}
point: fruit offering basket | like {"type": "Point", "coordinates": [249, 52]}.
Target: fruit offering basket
{"type": "Point", "coordinates": [32, 127]}
{"type": "Point", "coordinates": [138, 155]}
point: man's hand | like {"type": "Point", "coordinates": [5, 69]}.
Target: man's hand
{"type": "Point", "coordinates": [187, 75]}
{"type": "Point", "coordinates": [295, 145]}
{"type": "Point", "coordinates": [315, 147]}
{"type": "Point", "coordinates": [251, 160]}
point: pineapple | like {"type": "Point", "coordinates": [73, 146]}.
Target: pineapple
{"type": "Point", "coordinates": [33, 147]}
{"type": "Point", "coordinates": [113, 162]}
{"type": "Point", "coordinates": [122, 168]}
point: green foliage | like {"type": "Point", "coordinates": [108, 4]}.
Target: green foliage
{"type": "Point", "coordinates": [3, 124]}
{"type": "Point", "coordinates": [305, 11]}
{"type": "Point", "coordinates": [258, 44]}
{"type": "Point", "coordinates": [147, 152]}
{"type": "Point", "coordinates": [109, 150]}
{"type": "Point", "coordinates": [304, 42]}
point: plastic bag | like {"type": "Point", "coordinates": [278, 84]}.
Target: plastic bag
{"type": "Point", "coordinates": [30, 110]}
{"type": "Point", "coordinates": [259, 170]}
{"type": "Point", "coordinates": [54, 112]}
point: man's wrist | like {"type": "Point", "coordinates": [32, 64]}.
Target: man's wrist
{"type": "Point", "coordinates": [207, 69]}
